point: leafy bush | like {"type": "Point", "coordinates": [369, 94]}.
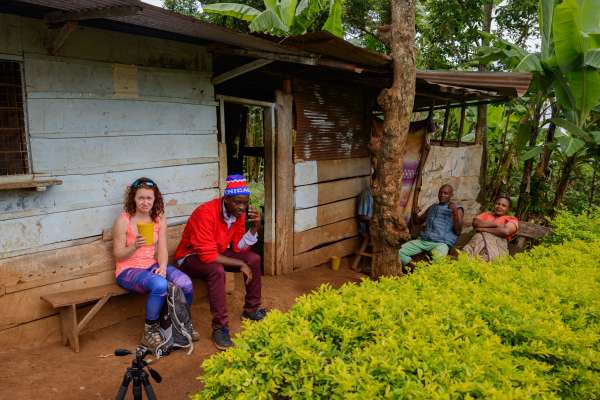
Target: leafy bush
{"type": "Point", "coordinates": [519, 327]}
{"type": "Point", "coordinates": [567, 226]}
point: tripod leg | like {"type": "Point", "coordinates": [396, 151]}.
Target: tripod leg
{"type": "Point", "coordinates": [124, 385]}
{"type": "Point", "coordinates": [148, 387]}
{"type": "Point", "coordinates": [137, 388]}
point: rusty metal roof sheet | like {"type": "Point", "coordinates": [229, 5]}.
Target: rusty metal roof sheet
{"type": "Point", "coordinates": [326, 44]}
{"type": "Point", "coordinates": [161, 20]}
{"type": "Point", "coordinates": [503, 83]}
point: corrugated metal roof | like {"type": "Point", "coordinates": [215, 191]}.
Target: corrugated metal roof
{"type": "Point", "coordinates": [503, 83]}
{"type": "Point", "coordinates": [326, 44]}
{"type": "Point", "coordinates": [159, 19]}
{"type": "Point", "coordinates": [79, 5]}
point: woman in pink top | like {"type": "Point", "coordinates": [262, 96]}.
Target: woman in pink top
{"type": "Point", "coordinates": [138, 270]}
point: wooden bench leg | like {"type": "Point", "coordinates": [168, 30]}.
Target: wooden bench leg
{"type": "Point", "coordinates": [68, 327]}
{"type": "Point", "coordinates": [360, 253]}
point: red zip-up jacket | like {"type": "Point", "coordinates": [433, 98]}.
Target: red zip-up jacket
{"type": "Point", "coordinates": [206, 233]}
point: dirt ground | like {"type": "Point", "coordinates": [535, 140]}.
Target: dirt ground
{"type": "Point", "coordinates": [56, 372]}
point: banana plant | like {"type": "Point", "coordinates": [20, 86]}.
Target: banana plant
{"type": "Point", "coordinates": [285, 17]}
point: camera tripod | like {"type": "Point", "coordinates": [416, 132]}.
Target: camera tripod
{"type": "Point", "coordinates": [138, 375]}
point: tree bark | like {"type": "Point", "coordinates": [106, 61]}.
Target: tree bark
{"type": "Point", "coordinates": [525, 187]}
{"type": "Point", "coordinates": [563, 182]}
{"type": "Point", "coordinates": [388, 228]}
{"type": "Point", "coordinates": [481, 125]}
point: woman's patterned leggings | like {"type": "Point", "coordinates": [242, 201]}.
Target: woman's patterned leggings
{"type": "Point", "coordinates": [144, 280]}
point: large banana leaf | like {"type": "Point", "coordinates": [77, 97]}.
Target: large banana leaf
{"type": "Point", "coordinates": [532, 153]}
{"type": "Point", "coordinates": [334, 19]}
{"type": "Point", "coordinates": [592, 58]}
{"type": "Point", "coordinates": [590, 15]}
{"type": "Point", "coordinates": [573, 129]}
{"type": "Point", "coordinates": [287, 11]}
{"type": "Point", "coordinates": [546, 13]}
{"type": "Point", "coordinates": [268, 21]}
{"type": "Point", "coordinates": [585, 86]}
{"type": "Point", "coordinates": [530, 63]}
{"type": "Point", "coordinates": [570, 145]}
{"type": "Point", "coordinates": [239, 11]}
{"type": "Point", "coordinates": [568, 40]}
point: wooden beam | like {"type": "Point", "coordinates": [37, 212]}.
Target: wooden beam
{"type": "Point", "coordinates": [445, 128]}
{"type": "Point", "coordinates": [284, 198]}
{"type": "Point", "coordinates": [56, 37]}
{"type": "Point", "coordinates": [222, 148]}
{"type": "Point", "coordinates": [244, 101]}
{"type": "Point", "coordinates": [308, 240]}
{"type": "Point", "coordinates": [295, 59]}
{"type": "Point", "coordinates": [269, 257]}
{"type": "Point", "coordinates": [323, 254]}
{"type": "Point", "coordinates": [59, 17]}
{"type": "Point", "coordinates": [241, 70]}
{"type": "Point", "coordinates": [461, 126]}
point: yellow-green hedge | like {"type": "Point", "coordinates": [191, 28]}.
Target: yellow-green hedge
{"type": "Point", "coordinates": [524, 327]}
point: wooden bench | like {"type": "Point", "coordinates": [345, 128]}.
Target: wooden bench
{"type": "Point", "coordinates": [67, 302]}
{"type": "Point", "coordinates": [528, 232]}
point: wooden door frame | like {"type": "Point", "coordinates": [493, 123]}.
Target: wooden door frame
{"type": "Point", "coordinates": [269, 140]}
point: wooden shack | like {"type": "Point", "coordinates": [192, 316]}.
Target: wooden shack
{"type": "Point", "coordinates": [95, 93]}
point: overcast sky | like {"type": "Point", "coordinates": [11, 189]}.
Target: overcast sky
{"type": "Point", "coordinates": [154, 2]}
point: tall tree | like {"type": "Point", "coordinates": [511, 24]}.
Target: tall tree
{"type": "Point", "coordinates": [388, 229]}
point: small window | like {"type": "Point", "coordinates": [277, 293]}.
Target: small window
{"type": "Point", "coordinates": [14, 159]}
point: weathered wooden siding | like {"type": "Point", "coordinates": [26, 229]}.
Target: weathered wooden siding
{"type": "Point", "coordinates": [109, 108]}
{"type": "Point", "coordinates": [325, 197]}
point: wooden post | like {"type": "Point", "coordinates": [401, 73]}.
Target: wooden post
{"type": "Point", "coordinates": [284, 200]}
{"type": "Point", "coordinates": [445, 127]}
{"type": "Point", "coordinates": [461, 127]}
{"type": "Point", "coordinates": [222, 148]}
{"type": "Point", "coordinates": [269, 256]}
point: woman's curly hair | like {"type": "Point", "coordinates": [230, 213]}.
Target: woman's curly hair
{"type": "Point", "coordinates": [158, 208]}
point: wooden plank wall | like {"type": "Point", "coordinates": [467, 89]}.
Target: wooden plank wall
{"type": "Point", "coordinates": [325, 198]}
{"type": "Point", "coordinates": [109, 108]}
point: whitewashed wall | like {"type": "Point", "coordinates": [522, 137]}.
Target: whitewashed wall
{"type": "Point", "coordinates": [109, 108]}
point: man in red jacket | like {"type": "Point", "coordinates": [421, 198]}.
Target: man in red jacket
{"type": "Point", "coordinates": [214, 241]}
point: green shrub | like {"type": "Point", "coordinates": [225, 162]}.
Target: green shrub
{"type": "Point", "coordinates": [567, 226]}
{"type": "Point", "coordinates": [523, 327]}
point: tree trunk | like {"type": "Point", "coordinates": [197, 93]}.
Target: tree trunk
{"type": "Point", "coordinates": [525, 187]}
{"type": "Point", "coordinates": [388, 228]}
{"type": "Point", "coordinates": [563, 182]}
{"type": "Point", "coordinates": [542, 169]}
{"type": "Point", "coordinates": [481, 125]}
{"type": "Point", "coordinates": [593, 188]}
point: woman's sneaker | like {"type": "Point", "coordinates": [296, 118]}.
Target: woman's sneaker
{"type": "Point", "coordinates": [153, 340]}
{"type": "Point", "coordinates": [255, 315]}
{"type": "Point", "coordinates": [221, 339]}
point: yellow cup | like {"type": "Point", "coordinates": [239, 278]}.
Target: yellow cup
{"type": "Point", "coordinates": [335, 263]}
{"type": "Point", "coordinates": [146, 230]}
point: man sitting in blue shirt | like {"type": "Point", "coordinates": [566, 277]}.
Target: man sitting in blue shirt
{"type": "Point", "coordinates": [443, 223]}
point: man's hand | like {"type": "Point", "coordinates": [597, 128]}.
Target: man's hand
{"type": "Point", "coordinates": [245, 269]}
{"type": "Point", "coordinates": [452, 206]}
{"type": "Point", "coordinates": [254, 218]}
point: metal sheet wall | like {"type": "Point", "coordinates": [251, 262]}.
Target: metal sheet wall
{"type": "Point", "coordinates": [331, 121]}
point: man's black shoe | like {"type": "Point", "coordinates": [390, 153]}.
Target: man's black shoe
{"type": "Point", "coordinates": [255, 315]}
{"type": "Point", "coordinates": [221, 339]}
